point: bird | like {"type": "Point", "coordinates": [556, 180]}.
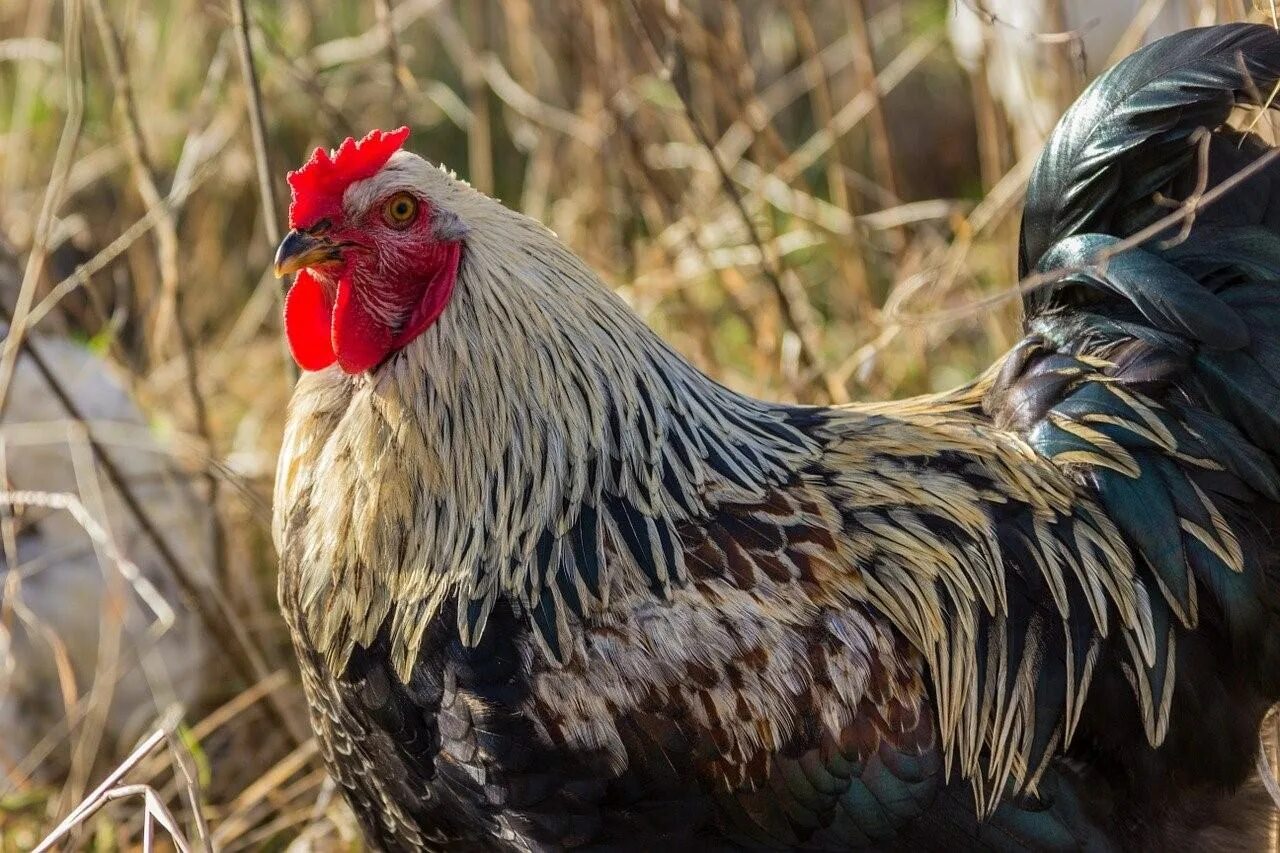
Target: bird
{"type": "Point", "coordinates": [551, 587]}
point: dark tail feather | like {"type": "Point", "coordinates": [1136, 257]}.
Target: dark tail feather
{"type": "Point", "coordinates": [1190, 324]}
{"type": "Point", "coordinates": [1128, 136]}
{"type": "Point", "coordinates": [1154, 376]}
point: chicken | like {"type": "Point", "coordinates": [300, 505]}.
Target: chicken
{"type": "Point", "coordinates": [552, 587]}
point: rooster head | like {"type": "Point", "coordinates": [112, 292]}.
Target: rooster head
{"type": "Point", "coordinates": [376, 257]}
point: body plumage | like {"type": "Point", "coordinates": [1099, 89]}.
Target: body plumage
{"type": "Point", "coordinates": [551, 587]}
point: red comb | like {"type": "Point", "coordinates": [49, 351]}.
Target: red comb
{"type": "Point", "coordinates": [318, 186]}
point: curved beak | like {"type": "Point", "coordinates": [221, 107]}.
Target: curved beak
{"type": "Point", "coordinates": [300, 249]}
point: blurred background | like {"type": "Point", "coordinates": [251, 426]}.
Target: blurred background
{"type": "Point", "coordinates": [814, 200]}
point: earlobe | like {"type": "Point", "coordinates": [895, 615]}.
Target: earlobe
{"type": "Point", "coordinates": [435, 294]}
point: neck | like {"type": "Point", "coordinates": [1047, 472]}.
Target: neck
{"type": "Point", "coordinates": [538, 443]}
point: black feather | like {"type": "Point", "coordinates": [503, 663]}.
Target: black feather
{"type": "Point", "coordinates": [1128, 136]}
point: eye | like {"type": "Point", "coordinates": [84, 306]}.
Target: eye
{"type": "Point", "coordinates": [400, 210]}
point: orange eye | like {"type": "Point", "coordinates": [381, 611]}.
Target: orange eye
{"type": "Point", "coordinates": [400, 210]}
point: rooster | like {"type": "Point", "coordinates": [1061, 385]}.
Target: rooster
{"type": "Point", "coordinates": [552, 587]}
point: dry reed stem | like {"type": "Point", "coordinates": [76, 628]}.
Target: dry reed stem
{"type": "Point", "coordinates": [240, 815]}
{"type": "Point", "coordinates": [865, 73]}
{"type": "Point", "coordinates": [112, 789]}
{"type": "Point", "coordinates": [166, 233]}
{"type": "Point", "coordinates": [1137, 29]}
{"type": "Point", "coordinates": [479, 134]}
{"type": "Point", "coordinates": [222, 622]}
{"type": "Point", "coordinates": [68, 141]}
{"type": "Point", "coordinates": [992, 130]}
{"type": "Point", "coordinates": [89, 734]}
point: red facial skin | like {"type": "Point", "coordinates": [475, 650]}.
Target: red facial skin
{"type": "Point", "coordinates": [390, 284]}
{"type": "Point", "coordinates": [382, 283]}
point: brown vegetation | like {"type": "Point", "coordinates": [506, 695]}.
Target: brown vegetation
{"type": "Point", "coordinates": [810, 199]}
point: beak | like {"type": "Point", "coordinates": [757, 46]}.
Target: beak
{"type": "Point", "coordinates": [299, 249]}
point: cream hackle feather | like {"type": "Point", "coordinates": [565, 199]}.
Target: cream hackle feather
{"type": "Point", "coordinates": [536, 391]}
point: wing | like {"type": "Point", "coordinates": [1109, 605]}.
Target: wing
{"type": "Point", "coordinates": [770, 693]}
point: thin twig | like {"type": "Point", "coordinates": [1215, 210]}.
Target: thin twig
{"type": "Point", "coordinates": [674, 234]}
{"type": "Point", "coordinates": [218, 616]}
{"type": "Point", "coordinates": [257, 125]}
{"type": "Point", "coordinates": [850, 254]}
{"type": "Point", "coordinates": [98, 534]}
{"type": "Point", "coordinates": [395, 66]}
{"type": "Point", "coordinates": [789, 293]}
{"type": "Point", "coordinates": [82, 274]}
{"type": "Point", "coordinates": [258, 132]}
{"type": "Point", "coordinates": [183, 760]}
{"type": "Point", "coordinates": [1052, 37]}
{"type": "Point", "coordinates": [527, 105]}
{"type": "Point", "coordinates": [1200, 138]}
{"type": "Point", "coordinates": [860, 106]}
{"type": "Point", "coordinates": [68, 141]}
{"type": "Point", "coordinates": [166, 232]}
{"type": "Point", "coordinates": [110, 789]}
{"type": "Point", "coordinates": [222, 716]}
{"type": "Point", "coordinates": [166, 228]}
{"type": "Point", "coordinates": [1035, 280]}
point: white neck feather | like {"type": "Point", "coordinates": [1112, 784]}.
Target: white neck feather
{"type": "Point", "coordinates": [450, 470]}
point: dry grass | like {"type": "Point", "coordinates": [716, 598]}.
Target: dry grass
{"type": "Point", "coordinates": [810, 199]}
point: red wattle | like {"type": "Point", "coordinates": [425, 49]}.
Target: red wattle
{"type": "Point", "coordinates": [308, 316]}
{"type": "Point", "coordinates": [360, 341]}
